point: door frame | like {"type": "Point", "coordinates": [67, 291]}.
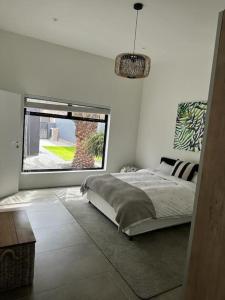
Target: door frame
{"type": "Point", "coordinates": [189, 289]}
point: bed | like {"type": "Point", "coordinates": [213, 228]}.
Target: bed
{"type": "Point", "coordinates": [172, 198]}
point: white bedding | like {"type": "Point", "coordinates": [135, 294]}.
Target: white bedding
{"type": "Point", "coordinates": [171, 196]}
{"type": "Point", "coordinates": [173, 199]}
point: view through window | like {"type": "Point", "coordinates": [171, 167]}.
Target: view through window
{"type": "Point", "coordinates": [63, 137]}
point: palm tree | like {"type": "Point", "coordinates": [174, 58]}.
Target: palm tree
{"type": "Point", "coordinates": [95, 144]}
{"type": "Point", "coordinates": [83, 159]}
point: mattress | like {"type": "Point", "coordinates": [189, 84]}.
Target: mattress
{"type": "Point", "coordinates": [141, 226]}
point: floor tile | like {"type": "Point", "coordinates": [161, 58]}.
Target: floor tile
{"type": "Point", "coordinates": [61, 236]}
{"type": "Point", "coordinates": [41, 195]}
{"type": "Point", "coordinates": [43, 206]}
{"type": "Point", "coordinates": [56, 215]}
{"type": "Point", "coordinates": [56, 268]}
{"type": "Point", "coordinates": [10, 207]}
{"type": "Point", "coordinates": [100, 287]}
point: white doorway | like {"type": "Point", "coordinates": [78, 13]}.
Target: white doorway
{"type": "Point", "coordinates": [10, 146]}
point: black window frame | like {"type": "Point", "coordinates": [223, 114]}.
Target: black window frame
{"type": "Point", "coordinates": [68, 117]}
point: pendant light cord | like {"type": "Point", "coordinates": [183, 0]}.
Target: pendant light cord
{"type": "Point", "coordinates": [135, 32]}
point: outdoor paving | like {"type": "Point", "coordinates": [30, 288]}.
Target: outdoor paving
{"type": "Point", "coordinates": [47, 160]}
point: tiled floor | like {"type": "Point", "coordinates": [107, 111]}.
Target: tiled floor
{"type": "Point", "coordinates": [68, 265]}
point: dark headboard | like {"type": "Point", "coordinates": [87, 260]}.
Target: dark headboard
{"type": "Point", "coordinates": [171, 162]}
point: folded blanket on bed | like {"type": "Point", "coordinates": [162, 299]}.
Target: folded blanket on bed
{"type": "Point", "coordinates": [130, 203]}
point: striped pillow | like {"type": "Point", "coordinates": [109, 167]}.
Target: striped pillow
{"type": "Point", "coordinates": [184, 170]}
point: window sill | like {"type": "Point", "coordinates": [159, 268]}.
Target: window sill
{"type": "Point", "coordinates": [64, 172]}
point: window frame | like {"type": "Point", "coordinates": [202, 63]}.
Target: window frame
{"type": "Point", "coordinates": [68, 117]}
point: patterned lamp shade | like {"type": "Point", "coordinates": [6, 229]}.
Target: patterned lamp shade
{"type": "Point", "coordinates": [132, 65]}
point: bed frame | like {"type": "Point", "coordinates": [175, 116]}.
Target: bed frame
{"type": "Point", "coordinates": [140, 227]}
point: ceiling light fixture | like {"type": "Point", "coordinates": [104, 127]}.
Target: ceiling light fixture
{"type": "Point", "coordinates": [133, 65]}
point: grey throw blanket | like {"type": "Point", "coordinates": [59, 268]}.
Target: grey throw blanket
{"type": "Point", "coordinates": [130, 203]}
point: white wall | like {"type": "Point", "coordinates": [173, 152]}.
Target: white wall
{"type": "Point", "coordinates": [35, 67]}
{"type": "Point", "coordinates": [180, 75]}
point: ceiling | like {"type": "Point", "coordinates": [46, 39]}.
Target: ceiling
{"type": "Point", "coordinates": [106, 27]}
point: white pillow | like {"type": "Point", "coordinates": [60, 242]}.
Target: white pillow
{"type": "Point", "coordinates": [164, 169]}
{"type": "Point", "coordinates": [195, 178]}
{"type": "Point", "coordinates": [184, 170]}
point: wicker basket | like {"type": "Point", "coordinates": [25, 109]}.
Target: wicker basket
{"type": "Point", "coordinates": [16, 266]}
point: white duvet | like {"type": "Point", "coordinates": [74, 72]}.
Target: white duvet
{"type": "Point", "coordinates": [171, 196]}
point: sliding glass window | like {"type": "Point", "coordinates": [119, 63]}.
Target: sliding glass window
{"type": "Point", "coordinates": [59, 136]}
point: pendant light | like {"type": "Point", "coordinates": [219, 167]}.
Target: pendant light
{"type": "Point", "coordinates": [133, 65]}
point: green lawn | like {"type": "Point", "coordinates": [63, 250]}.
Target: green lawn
{"type": "Point", "coordinates": [64, 152]}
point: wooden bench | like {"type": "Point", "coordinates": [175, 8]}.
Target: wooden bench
{"type": "Point", "coordinates": [17, 250]}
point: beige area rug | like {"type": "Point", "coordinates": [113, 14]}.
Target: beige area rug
{"type": "Point", "coordinates": [151, 264]}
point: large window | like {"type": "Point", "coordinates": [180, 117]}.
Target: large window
{"type": "Point", "coordinates": [59, 136]}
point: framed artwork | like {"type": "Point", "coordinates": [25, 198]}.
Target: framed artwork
{"type": "Point", "coordinates": [190, 125]}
